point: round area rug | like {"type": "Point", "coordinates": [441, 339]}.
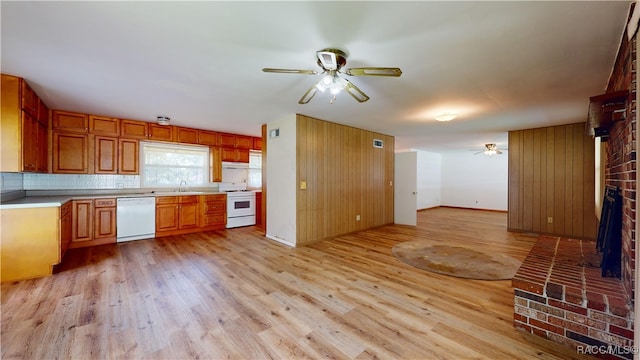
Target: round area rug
{"type": "Point", "coordinates": [464, 262]}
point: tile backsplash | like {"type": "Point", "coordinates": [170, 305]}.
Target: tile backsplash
{"type": "Point", "coordinates": [63, 181]}
{"type": "Point", "coordinates": [31, 181]}
{"type": "Point", "coordinates": [11, 182]}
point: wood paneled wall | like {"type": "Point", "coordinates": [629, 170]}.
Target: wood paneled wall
{"type": "Point", "coordinates": [345, 176]}
{"type": "Point", "coordinates": [552, 175]}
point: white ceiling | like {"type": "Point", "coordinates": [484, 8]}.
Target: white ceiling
{"type": "Point", "coordinates": [500, 65]}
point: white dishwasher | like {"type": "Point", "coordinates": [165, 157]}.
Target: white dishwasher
{"type": "Point", "coordinates": [135, 218]}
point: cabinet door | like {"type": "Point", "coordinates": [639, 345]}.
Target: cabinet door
{"type": "Point", "coordinates": [242, 155]}
{"type": "Point", "coordinates": [106, 155]}
{"type": "Point", "coordinates": [160, 132]}
{"type": "Point", "coordinates": [69, 121]}
{"type": "Point", "coordinates": [227, 154]}
{"type": "Point", "coordinates": [244, 142]}
{"type": "Point", "coordinates": [82, 220]}
{"type": "Point", "coordinates": [257, 143]}
{"type": "Point", "coordinates": [104, 222]}
{"type": "Point", "coordinates": [215, 164]}
{"type": "Point", "coordinates": [188, 216]}
{"type": "Point", "coordinates": [104, 125]}
{"type": "Point", "coordinates": [70, 153]}
{"type": "Point", "coordinates": [134, 129]}
{"type": "Point", "coordinates": [226, 140]}
{"type": "Point", "coordinates": [128, 155]}
{"type": "Point", "coordinates": [29, 142]}
{"type": "Point", "coordinates": [185, 135]}
{"type": "Point", "coordinates": [167, 217]}
{"type": "Point", "coordinates": [42, 161]}
{"type": "Point", "coordinates": [43, 114]}
{"type": "Point", "coordinates": [207, 138]}
{"type": "Point", "coordinates": [66, 227]}
{"type": "Point", "coordinates": [29, 100]}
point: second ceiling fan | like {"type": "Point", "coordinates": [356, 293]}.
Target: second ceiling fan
{"type": "Point", "coordinates": [331, 62]}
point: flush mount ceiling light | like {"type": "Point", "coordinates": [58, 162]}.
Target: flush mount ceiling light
{"type": "Point", "coordinates": [446, 117]}
{"type": "Point", "coordinates": [163, 120]}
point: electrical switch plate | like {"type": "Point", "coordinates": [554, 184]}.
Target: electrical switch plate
{"type": "Point", "coordinates": [550, 220]}
{"type": "Point", "coordinates": [303, 185]}
{"type": "Point", "coordinates": [357, 217]}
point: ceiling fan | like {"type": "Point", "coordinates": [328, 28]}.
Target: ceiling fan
{"type": "Point", "coordinates": [331, 62]}
{"type": "Point", "coordinates": [490, 150]}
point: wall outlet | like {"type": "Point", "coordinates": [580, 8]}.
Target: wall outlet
{"type": "Point", "coordinates": [550, 220]}
{"type": "Point", "coordinates": [357, 217]}
{"type": "Point", "coordinates": [303, 185]}
{"type": "Point", "coordinates": [120, 186]}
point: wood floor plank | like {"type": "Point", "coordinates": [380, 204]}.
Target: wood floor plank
{"type": "Point", "coordinates": [235, 294]}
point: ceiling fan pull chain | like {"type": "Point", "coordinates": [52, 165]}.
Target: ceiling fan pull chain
{"type": "Point", "coordinates": [332, 99]}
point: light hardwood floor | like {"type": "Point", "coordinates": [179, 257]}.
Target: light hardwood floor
{"type": "Point", "coordinates": [234, 294]}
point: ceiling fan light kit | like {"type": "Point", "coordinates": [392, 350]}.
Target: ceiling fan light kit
{"type": "Point", "coordinates": [331, 61]}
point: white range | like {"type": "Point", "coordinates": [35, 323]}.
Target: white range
{"type": "Point", "coordinates": [241, 205]}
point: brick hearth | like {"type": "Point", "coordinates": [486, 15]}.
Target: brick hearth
{"type": "Point", "coordinates": [560, 295]}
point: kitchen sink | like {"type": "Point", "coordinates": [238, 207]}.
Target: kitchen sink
{"type": "Point", "coordinates": [175, 193]}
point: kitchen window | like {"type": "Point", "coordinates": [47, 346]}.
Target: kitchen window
{"type": "Point", "coordinates": [167, 165]}
{"type": "Point", "coordinates": [254, 178]}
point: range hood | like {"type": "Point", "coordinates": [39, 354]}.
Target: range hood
{"type": "Point", "coordinates": [234, 165]}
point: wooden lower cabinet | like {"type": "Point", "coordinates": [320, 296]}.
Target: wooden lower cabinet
{"type": "Point", "coordinates": [213, 210]}
{"type": "Point", "coordinates": [104, 215]}
{"type": "Point", "coordinates": [167, 214]}
{"type": "Point", "coordinates": [66, 227]}
{"type": "Point", "coordinates": [93, 225]}
{"type": "Point", "coordinates": [259, 209]}
{"type": "Point", "coordinates": [31, 243]}
{"type": "Point", "coordinates": [190, 213]}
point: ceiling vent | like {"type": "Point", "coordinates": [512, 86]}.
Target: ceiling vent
{"type": "Point", "coordinates": [163, 120]}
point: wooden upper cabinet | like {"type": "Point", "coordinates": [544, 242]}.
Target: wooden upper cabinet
{"type": "Point", "coordinates": [104, 125]}
{"type": "Point", "coordinates": [257, 143]}
{"type": "Point", "coordinates": [128, 156]}
{"type": "Point", "coordinates": [69, 121]}
{"type": "Point", "coordinates": [207, 137]}
{"type": "Point", "coordinates": [30, 101]}
{"type": "Point", "coordinates": [244, 142]}
{"type": "Point", "coordinates": [215, 162]}
{"type": "Point", "coordinates": [185, 135]}
{"type": "Point", "coordinates": [233, 141]}
{"type": "Point", "coordinates": [160, 132]}
{"type": "Point", "coordinates": [234, 155]}
{"type": "Point", "coordinates": [24, 139]}
{"type": "Point", "coordinates": [43, 114]}
{"type": "Point", "coordinates": [70, 153]}
{"type": "Point", "coordinates": [29, 142]}
{"type": "Point", "coordinates": [133, 129]}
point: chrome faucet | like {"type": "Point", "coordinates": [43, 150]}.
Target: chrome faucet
{"type": "Point", "coordinates": [180, 186]}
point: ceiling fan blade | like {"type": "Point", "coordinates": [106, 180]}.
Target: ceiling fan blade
{"type": "Point", "coordinates": [328, 60]}
{"type": "Point", "coordinates": [290, 71]}
{"type": "Point", "coordinates": [374, 71]}
{"type": "Point", "coordinates": [356, 92]}
{"type": "Point", "coordinates": [308, 95]}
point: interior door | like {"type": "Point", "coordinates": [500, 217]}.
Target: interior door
{"type": "Point", "coordinates": [406, 188]}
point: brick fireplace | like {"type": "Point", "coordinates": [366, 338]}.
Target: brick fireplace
{"type": "Point", "coordinates": [559, 291]}
{"type": "Point", "coordinates": [559, 294]}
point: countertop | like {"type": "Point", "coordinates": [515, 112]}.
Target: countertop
{"type": "Point", "coordinates": [36, 199]}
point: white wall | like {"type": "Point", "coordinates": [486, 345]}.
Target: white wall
{"type": "Point", "coordinates": [429, 174]}
{"type": "Point", "coordinates": [475, 181]}
{"type": "Point", "coordinates": [281, 181]}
